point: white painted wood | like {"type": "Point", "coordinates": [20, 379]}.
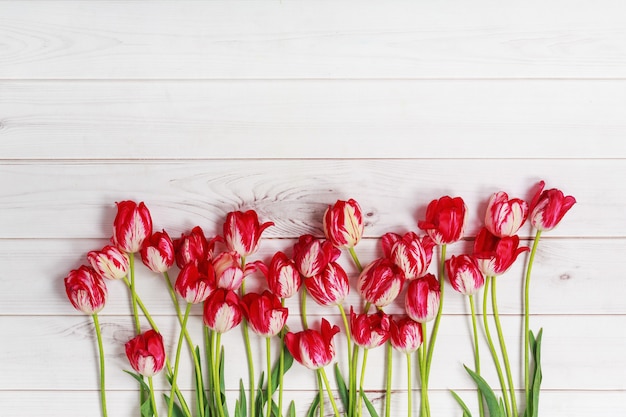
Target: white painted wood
{"type": "Point", "coordinates": [313, 119]}
{"type": "Point", "coordinates": [312, 39]}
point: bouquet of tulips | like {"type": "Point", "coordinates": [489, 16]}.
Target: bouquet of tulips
{"type": "Point", "coordinates": [213, 272]}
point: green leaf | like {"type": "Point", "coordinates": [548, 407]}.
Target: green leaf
{"type": "Point", "coordinates": [177, 411]}
{"type": "Point", "coordinates": [537, 376]}
{"type": "Point", "coordinates": [292, 409]}
{"type": "Point", "coordinates": [139, 378]}
{"type": "Point", "coordinates": [314, 406]}
{"type": "Point", "coordinates": [242, 399]}
{"type": "Point", "coordinates": [146, 409]}
{"type": "Point", "coordinates": [341, 386]}
{"type": "Point", "coordinates": [490, 398]}
{"type": "Point", "coordinates": [287, 362]}
{"type": "Point", "coordinates": [466, 410]}
{"type": "Point", "coordinates": [369, 405]}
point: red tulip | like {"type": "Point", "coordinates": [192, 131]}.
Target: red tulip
{"type": "Point", "coordinates": [193, 247]}
{"type": "Point", "coordinates": [311, 255]}
{"type": "Point", "coordinates": [406, 334]}
{"type": "Point", "coordinates": [86, 289]}
{"type": "Point", "coordinates": [410, 252]}
{"type": "Point", "coordinates": [422, 298]}
{"type": "Point", "coordinates": [464, 274]}
{"type": "Point", "coordinates": [343, 223]}
{"type": "Point", "coordinates": [242, 232]}
{"type": "Point", "coordinates": [504, 217]}
{"type": "Point", "coordinates": [369, 330]}
{"type": "Point", "coordinates": [265, 314]}
{"type": "Point", "coordinates": [329, 287]}
{"type": "Point", "coordinates": [313, 349]}
{"type": "Point", "coordinates": [380, 282]}
{"type": "Point", "coordinates": [283, 278]}
{"type": "Point", "coordinates": [496, 255]}
{"type": "Point", "coordinates": [222, 310]}
{"type": "Point", "coordinates": [146, 353]}
{"type": "Point", "coordinates": [132, 225]}
{"type": "Point", "coordinates": [228, 271]}
{"type": "Point", "coordinates": [445, 220]}
{"type": "Point", "coordinates": [157, 252]}
{"type": "Point", "coordinates": [548, 207]}
{"type": "Point", "coordinates": [196, 282]}
{"type": "Point", "coordinates": [110, 262]}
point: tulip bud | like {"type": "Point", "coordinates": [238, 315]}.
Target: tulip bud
{"type": "Point", "coordinates": [548, 207]}
{"type": "Point", "coordinates": [146, 353]}
{"type": "Point", "coordinates": [311, 348]}
{"type": "Point", "coordinates": [343, 223]}
{"type": "Point", "coordinates": [464, 274]}
{"type": "Point", "coordinates": [406, 335]}
{"type": "Point", "coordinates": [265, 314]}
{"type": "Point", "coordinates": [380, 282]}
{"type": "Point", "coordinates": [445, 220]}
{"type": "Point", "coordinates": [196, 282]}
{"type": "Point", "coordinates": [193, 247]}
{"type": "Point", "coordinates": [504, 217]}
{"type": "Point", "coordinates": [222, 310]}
{"type": "Point", "coordinates": [110, 262]}
{"type": "Point", "coordinates": [157, 252]}
{"type": "Point", "coordinates": [422, 298]}
{"type": "Point", "coordinates": [283, 278]}
{"type": "Point", "coordinates": [132, 225]}
{"type": "Point", "coordinates": [495, 255]}
{"type": "Point", "coordinates": [311, 255]}
{"type": "Point", "coordinates": [330, 287]}
{"type": "Point", "coordinates": [369, 330]}
{"type": "Point", "coordinates": [86, 290]}
{"type": "Point", "coordinates": [411, 253]}
{"type": "Point", "coordinates": [242, 232]}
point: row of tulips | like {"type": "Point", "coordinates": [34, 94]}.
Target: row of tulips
{"type": "Point", "coordinates": [217, 280]}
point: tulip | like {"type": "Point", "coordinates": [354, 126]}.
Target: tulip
{"type": "Point", "coordinates": [283, 278]}
{"type": "Point", "coordinates": [380, 282]}
{"type": "Point", "coordinates": [464, 274]}
{"type": "Point", "coordinates": [132, 225]}
{"type": "Point", "coordinates": [343, 223]}
{"type": "Point", "coordinates": [369, 330]}
{"type": "Point", "coordinates": [228, 271]}
{"type": "Point", "coordinates": [505, 217]}
{"type": "Point", "coordinates": [157, 252]}
{"type": "Point", "coordinates": [86, 290]}
{"type": "Point", "coordinates": [110, 262]}
{"type": "Point", "coordinates": [222, 310]}
{"type": "Point", "coordinates": [311, 255]}
{"type": "Point", "coordinates": [265, 314]}
{"type": "Point", "coordinates": [193, 247]}
{"type": "Point", "coordinates": [496, 255]}
{"type": "Point", "coordinates": [311, 348]}
{"type": "Point", "coordinates": [196, 282]}
{"type": "Point", "coordinates": [410, 252]}
{"type": "Point", "coordinates": [548, 207]}
{"type": "Point", "coordinates": [422, 298]}
{"type": "Point", "coordinates": [146, 353]}
{"type": "Point", "coordinates": [445, 220]}
{"type": "Point", "coordinates": [405, 334]}
{"type": "Point", "coordinates": [242, 232]}
{"type": "Point", "coordinates": [330, 287]}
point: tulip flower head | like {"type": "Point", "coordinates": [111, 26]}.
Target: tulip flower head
{"type": "Point", "coordinates": [464, 274]}
{"type": "Point", "coordinates": [265, 314]}
{"type": "Point", "coordinates": [222, 310]}
{"type": "Point", "coordinates": [496, 255]}
{"type": "Point", "coordinates": [505, 217]}
{"type": "Point", "coordinates": [311, 255]}
{"type": "Point", "coordinates": [329, 287]}
{"type": "Point", "coordinates": [445, 220]}
{"type": "Point", "coordinates": [109, 262]}
{"type": "Point", "coordinates": [132, 225]}
{"type": "Point", "coordinates": [86, 290]}
{"type": "Point", "coordinates": [196, 282]}
{"type": "Point", "coordinates": [343, 223]}
{"type": "Point", "coordinates": [228, 270]}
{"type": "Point", "coordinates": [406, 334]}
{"type": "Point", "coordinates": [157, 252]}
{"type": "Point", "coordinates": [410, 252]}
{"type": "Point", "coordinates": [193, 247]}
{"type": "Point", "coordinates": [380, 282]}
{"type": "Point", "coordinates": [242, 232]}
{"type": "Point", "coordinates": [146, 353]}
{"type": "Point", "coordinates": [548, 207]}
{"type": "Point", "coordinates": [283, 278]}
{"type": "Point", "coordinates": [422, 298]}
{"type": "Point", "coordinates": [369, 330]}
{"type": "Point", "coordinates": [312, 348]}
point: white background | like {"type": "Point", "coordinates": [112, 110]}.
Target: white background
{"type": "Point", "coordinates": [200, 108]}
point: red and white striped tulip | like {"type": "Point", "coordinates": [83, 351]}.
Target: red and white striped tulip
{"type": "Point", "coordinates": [445, 220]}
{"type": "Point", "coordinates": [132, 225]}
{"type": "Point", "coordinates": [283, 278]}
{"type": "Point", "coordinates": [109, 262]}
{"type": "Point", "coordinates": [406, 334]}
{"type": "Point", "coordinates": [311, 255]}
{"type": "Point", "coordinates": [86, 290]}
{"type": "Point", "coordinates": [265, 314]}
{"type": "Point", "coordinates": [228, 271]}
{"type": "Point", "coordinates": [329, 287]}
{"type": "Point", "coordinates": [464, 274]}
{"type": "Point", "coordinates": [369, 330]}
{"type": "Point", "coordinates": [504, 216]}
{"type": "Point", "coordinates": [312, 348]}
{"type": "Point", "coordinates": [242, 232]}
{"type": "Point", "coordinates": [410, 252]}
{"type": "Point", "coordinates": [380, 282]}
{"type": "Point", "coordinates": [548, 207]}
{"type": "Point", "coordinates": [496, 255]}
{"type": "Point", "coordinates": [222, 310]}
{"type": "Point", "coordinates": [196, 282]}
{"type": "Point", "coordinates": [157, 252]}
{"type": "Point", "coordinates": [194, 247]}
{"type": "Point", "coordinates": [146, 353]}
{"type": "Point", "coordinates": [343, 223]}
{"type": "Point", "coordinates": [422, 298]}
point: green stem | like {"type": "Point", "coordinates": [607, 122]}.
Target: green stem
{"type": "Point", "coordinates": [433, 338]}
{"type": "Point", "coordinates": [409, 388]}
{"type": "Point", "coordinates": [170, 408]}
{"type": "Point", "coordinates": [505, 356]}
{"type": "Point", "coordinates": [208, 343]}
{"type": "Point", "coordinates": [268, 347]}
{"type": "Point", "coordinates": [362, 379]}
{"type": "Point", "coordinates": [305, 325]}
{"type": "Point", "coordinates": [492, 348]}
{"type": "Point", "coordinates": [103, 400]}
{"type": "Point", "coordinates": [246, 338]}
{"type": "Point", "coordinates": [389, 371]}
{"type": "Point", "coordinates": [133, 292]}
{"type": "Point", "coordinates": [527, 317]}
{"type": "Point", "coordinates": [152, 399]}
{"type": "Point", "coordinates": [320, 384]}
{"type": "Point", "coordinates": [351, 374]}
{"type": "Point", "coordinates": [355, 259]}
{"type": "Point", "coordinates": [216, 374]}
{"type": "Point", "coordinates": [330, 394]}
{"type": "Point", "coordinates": [281, 367]}
{"type": "Point", "coordinates": [423, 380]}
{"type": "Point", "coordinates": [476, 352]}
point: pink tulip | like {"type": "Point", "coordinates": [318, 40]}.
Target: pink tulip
{"type": "Point", "coordinates": [343, 223]}
{"type": "Point", "coordinates": [86, 290]}
{"type": "Point", "coordinates": [548, 207]}
{"type": "Point", "coordinates": [146, 353]}
{"type": "Point", "coordinates": [406, 334]}
{"type": "Point", "coordinates": [464, 274]}
{"type": "Point", "coordinates": [132, 225]}
{"type": "Point", "coordinates": [193, 247]}
{"type": "Point", "coordinates": [496, 255]}
{"type": "Point", "coordinates": [311, 348]}
{"type": "Point", "coordinates": [109, 262]}
{"type": "Point", "coordinates": [422, 298]}
{"type": "Point", "coordinates": [380, 282]}
{"type": "Point", "coordinates": [505, 217]}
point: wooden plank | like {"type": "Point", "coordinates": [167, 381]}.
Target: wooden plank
{"type": "Point", "coordinates": [566, 276]}
{"type": "Point", "coordinates": [313, 119]}
{"type": "Point", "coordinates": [65, 347]}
{"type": "Point", "coordinates": [76, 199]}
{"type": "Point", "coordinates": [306, 39]}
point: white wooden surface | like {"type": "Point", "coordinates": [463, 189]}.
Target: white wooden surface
{"type": "Point", "coordinates": [203, 107]}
